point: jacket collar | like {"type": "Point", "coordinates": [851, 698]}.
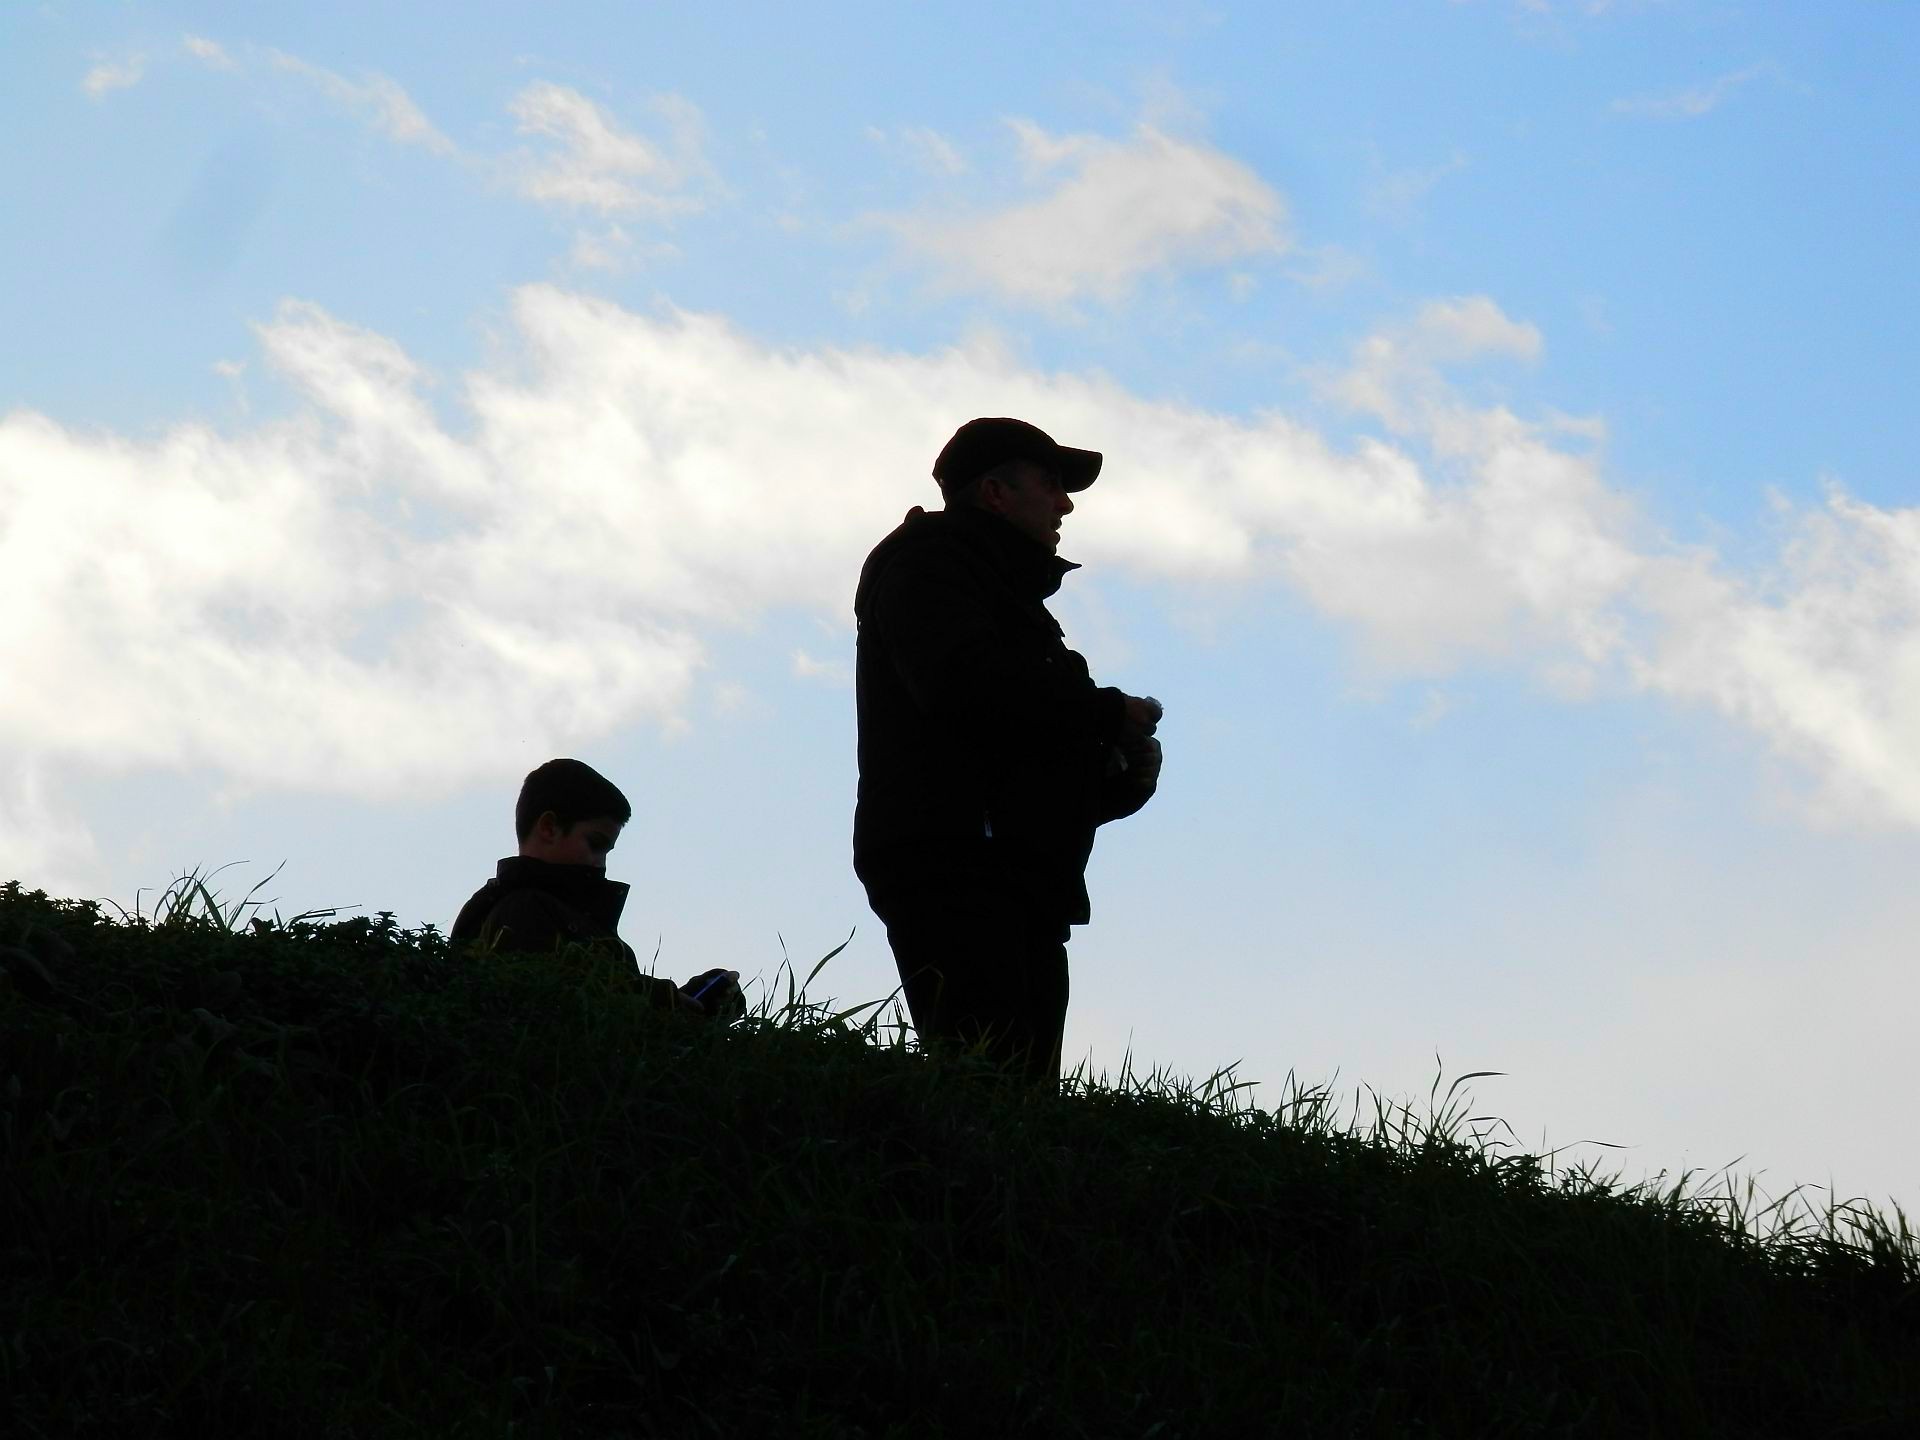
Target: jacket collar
{"type": "Point", "coordinates": [1033, 570]}
{"type": "Point", "coordinates": [584, 887]}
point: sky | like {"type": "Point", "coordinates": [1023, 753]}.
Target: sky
{"type": "Point", "coordinates": [1508, 491]}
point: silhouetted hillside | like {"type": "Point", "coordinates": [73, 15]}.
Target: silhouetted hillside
{"type": "Point", "coordinates": [332, 1180]}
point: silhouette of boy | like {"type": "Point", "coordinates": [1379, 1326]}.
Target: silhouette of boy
{"type": "Point", "coordinates": [569, 817]}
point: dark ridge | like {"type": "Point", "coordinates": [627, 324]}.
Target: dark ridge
{"type": "Point", "coordinates": [329, 1179]}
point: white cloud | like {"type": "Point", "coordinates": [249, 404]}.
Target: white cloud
{"type": "Point", "coordinates": [1395, 373]}
{"type": "Point", "coordinates": [1693, 101]}
{"type": "Point", "coordinates": [610, 250]}
{"type": "Point", "coordinates": [1113, 212]}
{"type": "Point", "coordinates": [810, 667]}
{"type": "Point", "coordinates": [1326, 268]}
{"type": "Point", "coordinates": [110, 75]}
{"type": "Point", "coordinates": [376, 99]}
{"type": "Point", "coordinates": [210, 53]}
{"type": "Point", "coordinates": [1822, 657]}
{"type": "Point", "coordinates": [360, 598]}
{"type": "Point", "coordinates": [935, 151]}
{"type": "Point", "coordinates": [614, 251]}
{"type": "Point", "coordinates": [1398, 195]}
{"type": "Point", "coordinates": [592, 163]}
{"type": "Point", "coordinates": [1465, 327]}
{"type": "Point", "coordinates": [584, 158]}
{"type": "Point", "coordinates": [1585, 7]}
{"type": "Point", "coordinates": [43, 844]}
{"type": "Point", "coordinates": [926, 149]}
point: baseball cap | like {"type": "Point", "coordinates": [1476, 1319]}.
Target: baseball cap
{"type": "Point", "coordinates": [993, 440]}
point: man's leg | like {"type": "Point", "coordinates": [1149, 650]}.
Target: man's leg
{"type": "Point", "coordinates": [983, 974]}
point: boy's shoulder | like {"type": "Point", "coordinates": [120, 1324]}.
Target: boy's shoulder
{"type": "Point", "coordinates": [530, 918]}
{"type": "Point", "coordinates": [535, 905]}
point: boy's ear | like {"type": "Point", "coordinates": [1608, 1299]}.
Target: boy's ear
{"type": "Point", "coordinates": [547, 827]}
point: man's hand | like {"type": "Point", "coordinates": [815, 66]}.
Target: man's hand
{"type": "Point", "coordinates": [1143, 762]}
{"type": "Point", "coordinates": [1141, 715]}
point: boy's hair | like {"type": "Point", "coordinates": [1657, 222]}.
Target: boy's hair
{"type": "Point", "coordinates": [573, 791]}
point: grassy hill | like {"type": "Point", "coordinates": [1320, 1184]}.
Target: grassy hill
{"type": "Point", "coordinates": [330, 1179]}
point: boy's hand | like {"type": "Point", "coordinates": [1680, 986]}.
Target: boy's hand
{"type": "Point", "coordinates": [719, 994]}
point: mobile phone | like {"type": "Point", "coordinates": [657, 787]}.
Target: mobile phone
{"type": "Point", "coordinates": [724, 976]}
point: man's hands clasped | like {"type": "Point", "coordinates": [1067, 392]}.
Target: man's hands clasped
{"type": "Point", "coordinates": [1141, 717]}
{"type": "Point", "coordinates": [1139, 750]}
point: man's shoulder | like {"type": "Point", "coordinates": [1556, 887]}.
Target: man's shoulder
{"type": "Point", "coordinates": [941, 544]}
{"type": "Point", "coordinates": [920, 533]}
{"type": "Point", "coordinates": [925, 548]}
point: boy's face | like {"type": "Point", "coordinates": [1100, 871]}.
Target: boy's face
{"type": "Point", "coordinates": [585, 842]}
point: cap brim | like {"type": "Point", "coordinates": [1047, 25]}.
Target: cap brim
{"type": "Point", "coordinates": [1078, 468]}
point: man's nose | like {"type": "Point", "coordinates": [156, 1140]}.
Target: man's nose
{"type": "Point", "coordinates": [1066, 503]}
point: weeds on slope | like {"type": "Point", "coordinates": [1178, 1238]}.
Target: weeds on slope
{"type": "Point", "coordinates": [338, 1179]}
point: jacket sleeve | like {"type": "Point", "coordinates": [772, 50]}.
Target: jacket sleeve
{"type": "Point", "coordinates": [940, 638]}
{"type": "Point", "coordinates": [1120, 797]}
{"type": "Point", "coordinates": [527, 920]}
{"type": "Point", "coordinates": [661, 993]}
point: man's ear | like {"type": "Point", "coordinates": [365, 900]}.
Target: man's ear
{"type": "Point", "coordinates": [547, 827]}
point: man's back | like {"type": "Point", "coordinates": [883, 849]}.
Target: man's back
{"type": "Point", "coordinates": [980, 730]}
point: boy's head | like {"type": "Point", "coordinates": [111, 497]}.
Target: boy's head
{"type": "Point", "coordinates": [569, 813]}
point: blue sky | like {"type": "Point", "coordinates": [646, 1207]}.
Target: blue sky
{"type": "Point", "coordinates": [1508, 491]}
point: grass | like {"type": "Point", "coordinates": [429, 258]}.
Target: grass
{"type": "Point", "coordinates": [326, 1177]}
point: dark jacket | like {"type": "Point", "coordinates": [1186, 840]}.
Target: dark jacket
{"type": "Point", "coordinates": [986, 750]}
{"type": "Point", "coordinates": [537, 905]}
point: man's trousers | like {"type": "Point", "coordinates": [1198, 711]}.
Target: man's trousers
{"type": "Point", "coordinates": [980, 971]}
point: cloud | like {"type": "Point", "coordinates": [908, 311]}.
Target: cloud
{"type": "Point", "coordinates": [1326, 268]}
{"type": "Point", "coordinates": [1692, 102]}
{"type": "Point", "coordinates": [1584, 7]}
{"type": "Point", "coordinates": [613, 251]}
{"type": "Point", "coordinates": [1821, 656]}
{"type": "Point", "coordinates": [376, 99]}
{"type": "Point", "coordinates": [1398, 195]}
{"type": "Point", "coordinates": [1110, 213]}
{"type": "Point", "coordinates": [275, 605]}
{"type": "Point", "coordinates": [591, 163]}
{"type": "Point", "coordinates": [928, 150]}
{"type": "Point", "coordinates": [210, 53]}
{"type": "Point", "coordinates": [363, 597]}
{"type": "Point", "coordinates": [583, 158]}
{"type": "Point", "coordinates": [111, 75]}
{"type": "Point", "coordinates": [810, 667]}
{"type": "Point", "coordinates": [1396, 373]}
{"type": "Point", "coordinates": [43, 844]}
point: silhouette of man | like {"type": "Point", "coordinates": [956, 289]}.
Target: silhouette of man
{"type": "Point", "coordinates": [987, 754]}
{"type": "Point", "coordinates": [569, 817]}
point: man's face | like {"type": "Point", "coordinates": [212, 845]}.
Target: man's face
{"type": "Point", "coordinates": [585, 842]}
{"type": "Point", "coordinates": [1031, 500]}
